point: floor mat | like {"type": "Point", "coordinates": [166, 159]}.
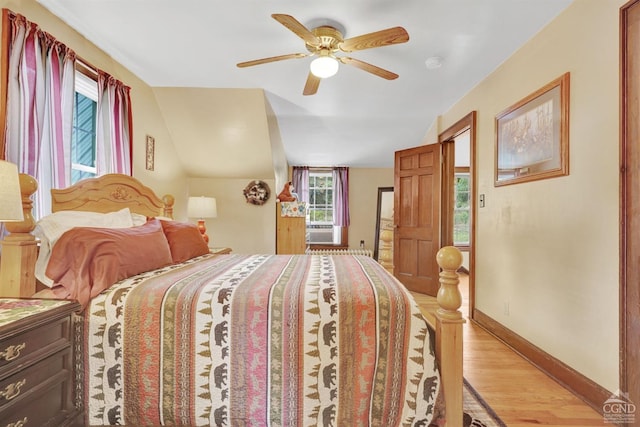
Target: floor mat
{"type": "Point", "coordinates": [477, 413]}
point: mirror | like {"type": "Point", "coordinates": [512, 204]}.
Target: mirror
{"type": "Point", "coordinates": [383, 248]}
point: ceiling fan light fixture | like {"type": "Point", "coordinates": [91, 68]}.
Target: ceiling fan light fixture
{"type": "Point", "coordinates": [324, 67]}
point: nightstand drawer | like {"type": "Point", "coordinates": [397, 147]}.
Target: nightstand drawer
{"type": "Point", "coordinates": [37, 348]}
{"type": "Point", "coordinates": [31, 345]}
{"type": "Point", "coordinates": [27, 383]}
{"type": "Point", "coordinates": [49, 407]}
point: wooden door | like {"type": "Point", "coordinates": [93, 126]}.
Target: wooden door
{"type": "Point", "coordinates": [416, 240]}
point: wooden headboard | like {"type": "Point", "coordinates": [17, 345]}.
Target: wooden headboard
{"type": "Point", "coordinates": [110, 193]}
{"type": "Point", "coordinates": [107, 193]}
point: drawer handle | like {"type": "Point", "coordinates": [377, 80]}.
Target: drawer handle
{"type": "Point", "coordinates": [12, 352]}
{"type": "Point", "coordinates": [19, 423]}
{"type": "Point", "coordinates": [12, 390]}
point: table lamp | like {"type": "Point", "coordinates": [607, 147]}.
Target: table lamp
{"type": "Point", "coordinates": [10, 197]}
{"type": "Point", "coordinates": [202, 207]}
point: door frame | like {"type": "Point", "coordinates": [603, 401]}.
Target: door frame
{"type": "Point", "coordinates": [468, 122]}
{"type": "Point", "coordinates": [629, 202]}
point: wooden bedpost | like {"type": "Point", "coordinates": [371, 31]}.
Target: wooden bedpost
{"type": "Point", "coordinates": [19, 249]}
{"type": "Point", "coordinates": [168, 201]}
{"type": "Point", "coordinates": [449, 323]}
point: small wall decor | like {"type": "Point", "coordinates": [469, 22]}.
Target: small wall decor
{"type": "Point", "coordinates": [150, 150]}
{"type": "Point", "coordinates": [532, 136]}
{"type": "Point", "coordinates": [257, 192]}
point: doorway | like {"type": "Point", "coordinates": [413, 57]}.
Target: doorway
{"type": "Point", "coordinates": [425, 207]}
{"type": "Point", "coordinates": [459, 195]}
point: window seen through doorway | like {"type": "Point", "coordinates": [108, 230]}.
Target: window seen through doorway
{"type": "Point", "coordinates": [461, 210]}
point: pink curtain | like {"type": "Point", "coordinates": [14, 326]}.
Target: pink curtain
{"type": "Point", "coordinates": [300, 181]}
{"type": "Point", "coordinates": [39, 108]}
{"type": "Point", "coordinates": [114, 124]}
{"type": "Point", "coordinates": [341, 196]}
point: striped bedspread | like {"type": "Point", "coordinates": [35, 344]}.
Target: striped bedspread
{"type": "Point", "coordinates": [257, 340]}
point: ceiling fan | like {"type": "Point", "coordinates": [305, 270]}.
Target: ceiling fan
{"type": "Point", "coordinates": [325, 41]}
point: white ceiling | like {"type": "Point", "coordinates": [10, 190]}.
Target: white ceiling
{"type": "Point", "coordinates": [356, 119]}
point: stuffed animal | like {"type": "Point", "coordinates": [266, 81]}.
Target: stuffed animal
{"type": "Point", "coordinates": [285, 195]}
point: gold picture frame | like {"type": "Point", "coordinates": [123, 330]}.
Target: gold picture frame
{"type": "Point", "coordinates": [150, 152]}
{"type": "Point", "coordinates": [532, 136]}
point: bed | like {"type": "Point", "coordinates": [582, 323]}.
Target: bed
{"type": "Point", "coordinates": [198, 338]}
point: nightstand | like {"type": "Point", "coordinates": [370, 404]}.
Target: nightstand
{"type": "Point", "coordinates": [37, 345]}
{"type": "Point", "coordinates": [220, 251]}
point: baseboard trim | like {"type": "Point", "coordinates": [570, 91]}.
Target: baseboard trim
{"type": "Point", "coordinates": [584, 388]}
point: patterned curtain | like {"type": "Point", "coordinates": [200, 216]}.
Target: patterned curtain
{"type": "Point", "coordinates": [300, 181]}
{"type": "Point", "coordinates": [341, 196]}
{"type": "Point", "coordinates": [114, 126]}
{"type": "Point", "coordinates": [39, 108]}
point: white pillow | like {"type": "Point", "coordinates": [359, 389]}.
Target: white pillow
{"type": "Point", "coordinates": [51, 227]}
{"type": "Point", "coordinates": [138, 219]}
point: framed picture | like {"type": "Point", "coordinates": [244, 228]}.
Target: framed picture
{"type": "Point", "coordinates": [532, 136]}
{"type": "Point", "coordinates": [151, 146]}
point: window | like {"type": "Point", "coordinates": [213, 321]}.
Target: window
{"type": "Point", "coordinates": [461, 210]}
{"type": "Point", "coordinates": [320, 211]}
{"type": "Point", "coordinates": [83, 139]}
{"type": "Point", "coordinates": [326, 192]}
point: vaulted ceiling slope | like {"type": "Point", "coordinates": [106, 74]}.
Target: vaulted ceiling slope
{"type": "Point", "coordinates": [356, 118]}
{"type": "Point", "coordinates": [220, 132]}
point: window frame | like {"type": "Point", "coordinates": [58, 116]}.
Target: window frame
{"type": "Point", "coordinates": [86, 84]}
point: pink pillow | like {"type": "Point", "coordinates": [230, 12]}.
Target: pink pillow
{"type": "Point", "coordinates": [185, 240]}
{"type": "Point", "coordinates": [86, 261]}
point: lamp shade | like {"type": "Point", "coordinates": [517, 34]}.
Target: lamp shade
{"type": "Point", "coordinates": [10, 197]}
{"type": "Point", "coordinates": [202, 207]}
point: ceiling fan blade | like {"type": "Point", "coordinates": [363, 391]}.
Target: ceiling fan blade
{"type": "Point", "coordinates": [297, 28]}
{"type": "Point", "coordinates": [271, 59]}
{"type": "Point", "coordinates": [380, 72]}
{"type": "Point", "coordinates": [311, 87]}
{"type": "Point", "coordinates": [380, 38]}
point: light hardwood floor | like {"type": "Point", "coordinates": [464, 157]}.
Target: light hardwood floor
{"type": "Point", "coordinates": [517, 391]}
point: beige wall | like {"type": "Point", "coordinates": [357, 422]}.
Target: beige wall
{"type": "Point", "coordinates": [549, 249]}
{"type": "Point", "coordinates": [280, 164]}
{"type": "Point", "coordinates": [241, 226]}
{"type": "Point", "coordinates": [251, 229]}
{"type": "Point", "coordinates": [168, 177]}
{"type": "Point", "coordinates": [363, 202]}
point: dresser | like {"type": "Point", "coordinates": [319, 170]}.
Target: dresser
{"type": "Point", "coordinates": [291, 232]}
{"type": "Point", "coordinates": [37, 347]}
